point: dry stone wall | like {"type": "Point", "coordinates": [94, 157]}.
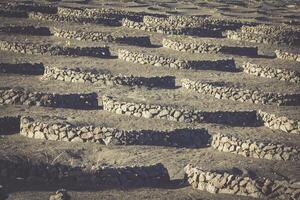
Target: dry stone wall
{"type": "Point", "coordinates": [30, 7]}
{"type": "Point", "coordinates": [102, 12]}
{"type": "Point", "coordinates": [147, 175]}
{"type": "Point", "coordinates": [195, 22]}
{"type": "Point", "coordinates": [174, 21]}
{"type": "Point", "coordinates": [188, 25]}
{"type": "Point", "coordinates": [219, 90]}
{"type": "Point", "coordinates": [49, 49]}
{"type": "Point", "coordinates": [25, 97]}
{"type": "Point", "coordinates": [287, 56]}
{"type": "Point", "coordinates": [9, 125]}
{"type": "Point", "coordinates": [64, 131]}
{"type": "Point", "coordinates": [22, 68]}
{"type": "Point", "coordinates": [270, 72]}
{"type": "Point", "coordinates": [142, 40]}
{"type": "Point", "coordinates": [62, 19]}
{"type": "Point", "coordinates": [28, 30]}
{"type": "Point", "coordinates": [161, 61]}
{"type": "Point", "coordinates": [255, 149]}
{"type": "Point", "coordinates": [245, 185]}
{"type": "Point", "coordinates": [205, 47]}
{"type": "Point", "coordinates": [234, 118]}
{"type": "Point", "coordinates": [268, 34]}
{"type": "Point", "coordinates": [201, 32]}
{"type": "Point", "coordinates": [279, 122]}
{"type": "Point", "coordinates": [80, 76]}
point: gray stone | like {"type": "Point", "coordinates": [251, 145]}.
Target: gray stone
{"type": "Point", "coordinates": [52, 137]}
{"type": "Point", "coordinates": [211, 188]}
{"type": "Point", "coordinates": [147, 114]}
{"type": "Point", "coordinates": [77, 139]}
{"type": "Point", "coordinates": [39, 135]}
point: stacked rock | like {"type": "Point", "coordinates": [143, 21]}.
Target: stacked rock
{"type": "Point", "coordinates": [159, 29]}
{"type": "Point", "coordinates": [193, 45]}
{"type": "Point", "coordinates": [195, 22]}
{"type": "Point", "coordinates": [63, 131]}
{"type": "Point", "coordinates": [147, 175]}
{"type": "Point", "coordinates": [100, 12]}
{"type": "Point", "coordinates": [287, 56]}
{"type": "Point", "coordinates": [279, 122]}
{"type": "Point", "coordinates": [162, 61]}
{"type": "Point", "coordinates": [181, 115]}
{"type": "Point", "coordinates": [187, 25]}
{"type": "Point", "coordinates": [268, 34]}
{"type": "Point", "coordinates": [25, 97]}
{"type": "Point", "coordinates": [60, 18]}
{"type": "Point", "coordinates": [102, 36]}
{"type": "Point", "coordinates": [244, 185]}
{"type": "Point", "coordinates": [149, 111]}
{"type": "Point", "coordinates": [49, 49]}
{"type": "Point", "coordinates": [221, 91]}
{"type": "Point", "coordinates": [248, 148]}
{"type": "Point", "coordinates": [155, 60]}
{"type": "Point", "coordinates": [30, 7]}
{"type": "Point", "coordinates": [270, 72]}
{"type": "Point", "coordinates": [20, 9]}
{"type": "Point", "coordinates": [174, 21]}
{"type": "Point", "coordinates": [80, 76]}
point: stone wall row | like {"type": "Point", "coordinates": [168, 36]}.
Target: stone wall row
{"type": "Point", "coordinates": [195, 138]}
{"type": "Point", "coordinates": [194, 22]}
{"type": "Point", "coordinates": [90, 101]}
{"type": "Point", "coordinates": [220, 90]}
{"type": "Point", "coordinates": [81, 76]}
{"type": "Point", "coordinates": [49, 49]}
{"type": "Point", "coordinates": [255, 149]}
{"type": "Point", "coordinates": [108, 176]}
{"type": "Point", "coordinates": [25, 97]}
{"type": "Point", "coordinates": [73, 19]}
{"type": "Point", "coordinates": [201, 32]}
{"type": "Point", "coordinates": [22, 68]}
{"type": "Point", "coordinates": [189, 25]}
{"type": "Point", "coordinates": [287, 56]}
{"type": "Point", "coordinates": [236, 184]}
{"type": "Point", "coordinates": [140, 40]}
{"type": "Point", "coordinates": [234, 118]}
{"type": "Point", "coordinates": [279, 122]}
{"type": "Point", "coordinates": [64, 131]}
{"type": "Point", "coordinates": [268, 34]}
{"type": "Point", "coordinates": [29, 7]}
{"type": "Point", "coordinates": [161, 61]}
{"type": "Point", "coordinates": [99, 12]}
{"type": "Point", "coordinates": [105, 12]}
{"type": "Point", "coordinates": [75, 12]}
{"type": "Point", "coordinates": [270, 72]}
{"type": "Point", "coordinates": [204, 47]}
{"type": "Point", "coordinates": [175, 21]}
